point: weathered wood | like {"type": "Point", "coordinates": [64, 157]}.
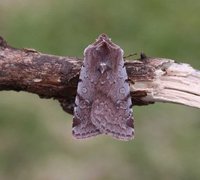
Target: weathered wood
{"type": "Point", "coordinates": [151, 79]}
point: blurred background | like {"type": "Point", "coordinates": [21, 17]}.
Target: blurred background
{"type": "Point", "coordinates": [35, 134]}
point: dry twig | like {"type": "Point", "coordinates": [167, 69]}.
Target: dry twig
{"type": "Point", "coordinates": [151, 79]}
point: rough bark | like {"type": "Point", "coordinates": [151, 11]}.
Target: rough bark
{"type": "Point", "coordinates": [151, 79]}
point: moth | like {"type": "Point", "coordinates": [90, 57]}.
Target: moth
{"type": "Point", "coordinates": [103, 103]}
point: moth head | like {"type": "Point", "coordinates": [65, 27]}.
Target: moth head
{"type": "Point", "coordinates": [103, 55]}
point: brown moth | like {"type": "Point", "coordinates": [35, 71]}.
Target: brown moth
{"type": "Point", "coordinates": [103, 103]}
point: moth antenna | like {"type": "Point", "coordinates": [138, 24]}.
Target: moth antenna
{"type": "Point", "coordinates": [130, 55]}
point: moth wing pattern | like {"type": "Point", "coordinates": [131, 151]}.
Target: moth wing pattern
{"type": "Point", "coordinates": [82, 124]}
{"type": "Point", "coordinates": [103, 103]}
{"type": "Point", "coordinates": [112, 110]}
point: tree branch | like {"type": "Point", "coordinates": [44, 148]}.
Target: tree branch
{"type": "Point", "coordinates": [151, 79]}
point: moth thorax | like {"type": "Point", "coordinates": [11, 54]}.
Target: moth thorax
{"type": "Point", "coordinates": [103, 67]}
